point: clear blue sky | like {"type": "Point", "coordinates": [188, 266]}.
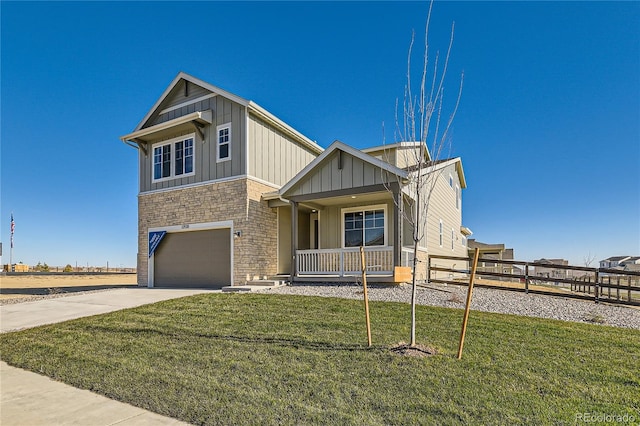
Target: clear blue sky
{"type": "Point", "coordinates": [548, 128]}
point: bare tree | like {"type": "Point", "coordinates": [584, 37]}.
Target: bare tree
{"type": "Point", "coordinates": [588, 259]}
{"type": "Point", "coordinates": [422, 122]}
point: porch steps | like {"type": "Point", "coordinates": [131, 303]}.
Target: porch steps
{"type": "Point", "coordinates": [254, 285]}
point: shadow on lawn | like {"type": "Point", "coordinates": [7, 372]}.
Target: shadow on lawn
{"type": "Point", "coordinates": [179, 334]}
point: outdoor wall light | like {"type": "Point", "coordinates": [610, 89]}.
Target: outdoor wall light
{"type": "Point", "coordinates": [237, 234]}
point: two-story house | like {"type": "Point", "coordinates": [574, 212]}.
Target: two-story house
{"type": "Point", "coordinates": [229, 193]}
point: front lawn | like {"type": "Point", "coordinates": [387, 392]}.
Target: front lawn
{"type": "Point", "coordinates": [273, 359]}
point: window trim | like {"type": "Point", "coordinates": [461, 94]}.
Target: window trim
{"type": "Point", "coordinates": [382, 207]}
{"type": "Point", "coordinates": [441, 234]}
{"type": "Point", "coordinates": [458, 201]}
{"type": "Point", "coordinates": [172, 166]}
{"type": "Point", "coordinates": [218, 144]}
{"type": "Point", "coordinates": [452, 239]}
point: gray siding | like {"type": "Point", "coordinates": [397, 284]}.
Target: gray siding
{"type": "Point", "coordinates": [328, 176]}
{"type": "Point", "coordinates": [274, 156]}
{"type": "Point", "coordinates": [177, 97]}
{"type": "Point", "coordinates": [206, 167]}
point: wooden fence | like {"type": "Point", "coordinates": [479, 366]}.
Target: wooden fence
{"type": "Point", "coordinates": [598, 284]}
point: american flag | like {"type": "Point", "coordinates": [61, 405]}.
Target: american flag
{"type": "Point", "coordinates": [13, 227]}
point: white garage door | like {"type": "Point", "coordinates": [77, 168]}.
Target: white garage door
{"type": "Point", "coordinates": [194, 259]}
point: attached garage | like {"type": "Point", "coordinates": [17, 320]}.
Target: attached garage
{"type": "Point", "coordinates": [195, 258]}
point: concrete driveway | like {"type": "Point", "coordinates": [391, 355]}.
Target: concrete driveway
{"type": "Point", "coordinates": [49, 311]}
{"type": "Point", "coordinates": [27, 398]}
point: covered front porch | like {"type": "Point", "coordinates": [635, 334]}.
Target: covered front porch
{"type": "Point", "coordinates": [346, 263]}
{"type": "Point", "coordinates": [342, 201]}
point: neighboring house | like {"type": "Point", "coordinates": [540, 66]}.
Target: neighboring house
{"type": "Point", "coordinates": [229, 193]}
{"type": "Point", "coordinates": [615, 261]}
{"type": "Point", "coordinates": [490, 252]}
{"type": "Point", "coordinates": [632, 260]}
{"type": "Point", "coordinates": [545, 268]}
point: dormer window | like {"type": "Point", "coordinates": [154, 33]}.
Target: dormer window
{"type": "Point", "coordinates": [173, 159]}
{"type": "Point", "coordinates": [224, 142]}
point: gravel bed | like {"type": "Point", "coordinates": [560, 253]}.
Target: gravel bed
{"type": "Point", "coordinates": [484, 299]}
{"type": "Point", "coordinates": [451, 296]}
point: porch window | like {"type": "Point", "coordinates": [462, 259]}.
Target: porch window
{"type": "Point", "coordinates": [364, 227]}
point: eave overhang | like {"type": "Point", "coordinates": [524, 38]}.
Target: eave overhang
{"type": "Point", "coordinates": [465, 231]}
{"type": "Point", "coordinates": [199, 119]}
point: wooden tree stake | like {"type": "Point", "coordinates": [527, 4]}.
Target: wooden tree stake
{"type": "Point", "coordinates": [469, 293]}
{"type": "Point", "coordinates": [366, 297]}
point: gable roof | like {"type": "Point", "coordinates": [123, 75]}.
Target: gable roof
{"type": "Point", "coordinates": [432, 166]}
{"type": "Point", "coordinates": [335, 146]}
{"type": "Point", "coordinates": [250, 105]}
{"type": "Point", "coordinates": [615, 258]}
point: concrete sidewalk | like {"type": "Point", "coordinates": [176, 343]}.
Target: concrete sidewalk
{"type": "Point", "coordinates": [30, 399]}
{"type": "Point", "coordinates": [27, 398]}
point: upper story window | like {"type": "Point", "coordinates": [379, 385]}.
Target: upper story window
{"type": "Point", "coordinates": [441, 236]}
{"type": "Point", "coordinates": [173, 158]}
{"type": "Point", "coordinates": [364, 226]}
{"type": "Point", "coordinates": [223, 142]}
{"type": "Point", "coordinates": [457, 197]}
{"type": "Point", "coordinates": [451, 181]}
{"type": "Point", "coordinates": [453, 237]}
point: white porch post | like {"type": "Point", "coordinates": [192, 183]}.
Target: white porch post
{"type": "Point", "coordinates": [294, 239]}
{"type": "Point", "coordinates": [398, 205]}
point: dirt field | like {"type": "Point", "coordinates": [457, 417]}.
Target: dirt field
{"type": "Point", "coordinates": [16, 286]}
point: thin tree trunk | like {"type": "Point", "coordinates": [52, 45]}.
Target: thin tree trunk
{"type": "Point", "coordinates": [413, 294]}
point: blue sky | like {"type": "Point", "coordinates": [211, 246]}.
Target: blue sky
{"type": "Point", "coordinates": [548, 127]}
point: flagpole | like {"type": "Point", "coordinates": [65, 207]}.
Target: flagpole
{"type": "Point", "coordinates": [11, 249]}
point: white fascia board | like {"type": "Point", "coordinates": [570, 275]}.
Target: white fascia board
{"type": "Point", "coordinates": [398, 145]}
{"type": "Point", "coordinates": [184, 76]}
{"type": "Point", "coordinates": [391, 145]}
{"type": "Point", "coordinates": [349, 150]}
{"type": "Point", "coordinates": [204, 117]}
{"type": "Point", "coordinates": [457, 161]}
{"type": "Point", "coordinates": [263, 113]}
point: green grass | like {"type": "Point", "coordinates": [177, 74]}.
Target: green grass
{"type": "Point", "coordinates": [269, 359]}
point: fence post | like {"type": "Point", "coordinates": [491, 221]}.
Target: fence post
{"type": "Point", "coordinates": [526, 278]}
{"type": "Point", "coordinates": [618, 288]}
{"type": "Point", "coordinates": [629, 290]}
{"type": "Point", "coordinates": [597, 285]}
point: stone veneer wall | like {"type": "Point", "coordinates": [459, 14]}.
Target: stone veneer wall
{"type": "Point", "coordinates": [254, 252]}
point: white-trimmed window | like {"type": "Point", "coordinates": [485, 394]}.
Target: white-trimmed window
{"type": "Point", "coordinates": [173, 158]}
{"type": "Point", "coordinates": [223, 142]}
{"type": "Point", "coordinates": [464, 241]}
{"type": "Point", "coordinates": [450, 181]}
{"type": "Point", "coordinates": [441, 233]}
{"type": "Point", "coordinates": [453, 237]}
{"type": "Point", "coordinates": [364, 226]}
{"type": "Point", "coordinates": [457, 197]}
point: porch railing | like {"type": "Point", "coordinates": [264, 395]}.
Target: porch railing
{"type": "Point", "coordinates": [342, 262]}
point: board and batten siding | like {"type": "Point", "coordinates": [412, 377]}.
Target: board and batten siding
{"type": "Point", "coordinates": [206, 166]}
{"type": "Point", "coordinates": [274, 156]}
{"type": "Point", "coordinates": [177, 97]}
{"type": "Point", "coordinates": [330, 176]}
